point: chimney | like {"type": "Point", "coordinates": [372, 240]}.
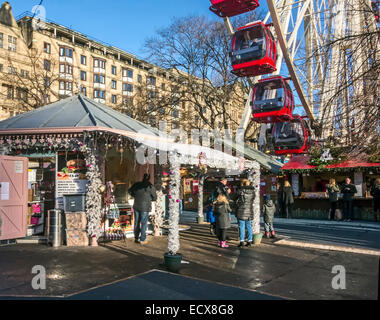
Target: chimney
{"type": "Point", "coordinates": [6, 15]}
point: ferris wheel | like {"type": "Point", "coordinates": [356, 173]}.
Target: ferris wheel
{"type": "Point", "coordinates": [317, 47]}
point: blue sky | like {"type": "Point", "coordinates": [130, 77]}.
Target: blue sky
{"type": "Point", "coordinates": [122, 23]}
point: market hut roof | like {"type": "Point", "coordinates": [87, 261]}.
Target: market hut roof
{"type": "Point", "coordinates": [301, 163]}
{"type": "Point", "coordinates": [72, 114]}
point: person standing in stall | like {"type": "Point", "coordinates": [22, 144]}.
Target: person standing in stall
{"type": "Point", "coordinates": [288, 199]}
{"type": "Point", "coordinates": [348, 190]}
{"type": "Point", "coordinates": [144, 193]}
{"type": "Point", "coordinates": [332, 191]}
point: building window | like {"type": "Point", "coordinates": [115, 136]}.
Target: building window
{"type": "Point", "coordinates": [113, 84]}
{"type": "Point", "coordinates": [128, 73]}
{"type": "Point", "coordinates": [10, 93]}
{"type": "Point", "coordinates": [98, 78]}
{"type": "Point", "coordinates": [99, 94]}
{"type": "Point", "coordinates": [66, 68]}
{"type": "Point", "coordinates": [113, 98]}
{"type": "Point", "coordinates": [83, 60]}
{"type": "Point", "coordinates": [47, 65]}
{"type": "Point", "coordinates": [12, 43]}
{"type": "Point", "coordinates": [46, 98]}
{"type": "Point", "coordinates": [175, 113]}
{"type": "Point", "coordinates": [65, 85]}
{"type": "Point", "coordinates": [151, 80]}
{"type": "Point", "coordinates": [22, 94]}
{"type": "Point", "coordinates": [47, 82]}
{"type": "Point", "coordinates": [113, 69]}
{"type": "Point", "coordinates": [99, 63]}
{"type": "Point", "coordinates": [1, 39]}
{"type": "Point", "coordinates": [1, 67]}
{"type": "Point", "coordinates": [83, 75]}
{"type": "Point", "coordinates": [65, 52]}
{"type": "Point", "coordinates": [12, 70]}
{"type": "Point", "coordinates": [127, 87]}
{"type": "Point", "coordinates": [139, 78]}
{"type": "Point", "coordinates": [152, 94]}
{"type": "Point", "coordinates": [47, 48]}
{"type": "Point", "coordinates": [83, 90]}
{"type": "Point", "coordinates": [163, 86]}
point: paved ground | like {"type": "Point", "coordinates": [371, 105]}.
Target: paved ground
{"type": "Point", "coordinates": [355, 234]}
{"type": "Point", "coordinates": [268, 269]}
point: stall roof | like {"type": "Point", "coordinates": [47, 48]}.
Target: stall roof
{"type": "Point", "coordinates": [300, 163]}
{"type": "Point", "coordinates": [73, 113]}
{"type": "Point", "coordinates": [266, 161]}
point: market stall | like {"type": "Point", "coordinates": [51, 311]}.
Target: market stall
{"type": "Point", "coordinates": [75, 148]}
{"type": "Point", "coordinates": [309, 185]}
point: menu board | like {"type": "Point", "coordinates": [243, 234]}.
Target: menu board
{"type": "Point", "coordinates": [71, 175]}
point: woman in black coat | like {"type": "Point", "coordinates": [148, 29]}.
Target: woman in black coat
{"type": "Point", "coordinates": [222, 219]}
{"type": "Point", "coordinates": [288, 199]}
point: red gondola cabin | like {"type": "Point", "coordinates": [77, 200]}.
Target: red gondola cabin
{"type": "Point", "coordinates": [253, 51]}
{"type": "Point", "coordinates": [272, 100]}
{"type": "Point", "coordinates": [230, 8]}
{"type": "Point", "coordinates": [292, 137]}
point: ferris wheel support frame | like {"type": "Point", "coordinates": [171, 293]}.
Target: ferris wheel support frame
{"type": "Point", "coordinates": [289, 63]}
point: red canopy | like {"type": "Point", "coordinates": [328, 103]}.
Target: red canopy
{"type": "Point", "coordinates": [300, 162]}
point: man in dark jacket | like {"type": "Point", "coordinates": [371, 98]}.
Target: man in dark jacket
{"type": "Point", "coordinates": [348, 190]}
{"type": "Point", "coordinates": [244, 211]}
{"type": "Point", "coordinates": [144, 193]}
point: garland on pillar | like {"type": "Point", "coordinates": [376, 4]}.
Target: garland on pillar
{"type": "Point", "coordinates": [175, 179]}
{"type": "Point", "coordinates": [253, 175]}
{"type": "Point", "coordinates": [94, 196]}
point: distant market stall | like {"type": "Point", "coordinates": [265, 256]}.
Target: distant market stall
{"type": "Point", "coordinates": [309, 185]}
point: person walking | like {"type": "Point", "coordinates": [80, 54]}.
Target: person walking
{"type": "Point", "coordinates": [222, 219]}
{"type": "Point", "coordinates": [244, 211]}
{"type": "Point", "coordinates": [144, 193]}
{"type": "Point", "coordinates": [348, 190]}
{"type": "Point", "coordinates": [288, 199]}
{"type": "Point", "coordinates": [375, 193]}
{"type": "Point", "coordinates": [269, 209]}
{"type": "Point", "coordinates": [332, 192]}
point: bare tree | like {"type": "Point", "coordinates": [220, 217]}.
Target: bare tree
{"type": "Point", "coordinates": [31, 83]}
{"type": "Point", "coordinates": [196, 50]}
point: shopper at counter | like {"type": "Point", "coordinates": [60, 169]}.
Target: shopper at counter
{"type": "Point", "coordinates": [332, 191]}
{"type": "Point", "coordinates": [288, 199]}
{"type": "Point", "coordinates": [375, 193]}
{"type": "Point", "coordinates": [348, 190]}
{"type": "Point", "coordinates": [144, 193]}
